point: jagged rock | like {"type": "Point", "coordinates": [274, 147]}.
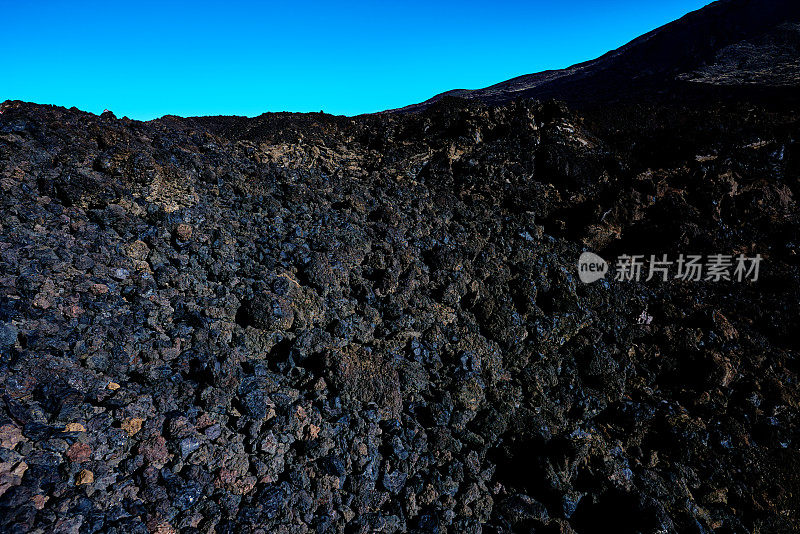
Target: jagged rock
{"type": "Point", "coordinates": [84, 477]}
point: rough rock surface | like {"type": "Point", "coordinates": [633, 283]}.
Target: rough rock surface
{"type": "Point", "coordinates": [303, 323]}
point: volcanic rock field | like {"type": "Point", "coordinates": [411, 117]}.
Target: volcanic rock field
{"type": "Point", "coordinates": [298, 323]}
{"type": "Point", "coordinates": [308, 323]}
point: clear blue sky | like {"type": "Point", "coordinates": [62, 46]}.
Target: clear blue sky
{"type": "Point", "coordinates": [146, 59]}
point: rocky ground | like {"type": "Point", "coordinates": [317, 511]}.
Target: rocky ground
{"type": "Point", "coordinates": [306, 323]}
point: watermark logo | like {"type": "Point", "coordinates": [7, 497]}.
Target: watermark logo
{"type": "Point", "coordinates": [591, 267]}
{"type": "Point", "coordinates": [687, 267]}
{"type": "Point", "coordinates": [644, 318]}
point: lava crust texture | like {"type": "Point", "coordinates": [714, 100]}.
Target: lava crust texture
{"type": "Point", "coordinates": [306, 323]}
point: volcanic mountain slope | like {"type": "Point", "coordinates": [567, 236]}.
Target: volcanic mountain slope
{"type": "Point", "coordinates": [750, 45]}
{"type": "Point", "coordinates": [302, 323]}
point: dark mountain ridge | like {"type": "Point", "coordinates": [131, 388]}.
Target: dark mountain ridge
{"type": "Point", "coordinates": [724, 37]}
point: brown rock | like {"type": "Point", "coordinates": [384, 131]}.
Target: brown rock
{"type": "Point", "coordinates": [79, 452]}
{"type": "Point", "coordinates": [184, 232]}
{"type": "Point", "coordinates": [155, 451]}
{"type": "Point", "coordinates": [203, 421]}
{"type": "Point", "coordinates": [39, 501]}
{"type": "Point", "coordinates": [42, 302]}
{"type": "Point", "coordinates": [157, 526]}
{"type": "Point", "coordinates": [84, 477]}
{"type": "Point", "coordinates": [74, 427]}
{"type": "Point", "coordinates": [233, 482]}
{"type": "Point", "coordinates": [73, 311]}
{"type": "Point", "coordinates": [10, 435]}
{"type": "Point", "coordinates": [364, 376]}
{"type": "Point", "coordinates": [179, 427]}
{"type": "Point", "coordinates": [11, 475]}
{"type": "Point", "coordinates": [132, 425]}
{"type": "Point", "coordinates": [138, 250]}
{"type": "Point", "coordinates": [727, 329]}
{"type": "Point", "coordinates": [225, 477]}
{"type": "Point", "coordinates": [99, 289]}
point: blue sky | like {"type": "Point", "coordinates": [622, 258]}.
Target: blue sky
{"type": "Point", "coordinates": [147, 59]}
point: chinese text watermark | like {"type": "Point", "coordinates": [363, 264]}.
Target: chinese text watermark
{"type": "Point", "coordinates": [686, 267]}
